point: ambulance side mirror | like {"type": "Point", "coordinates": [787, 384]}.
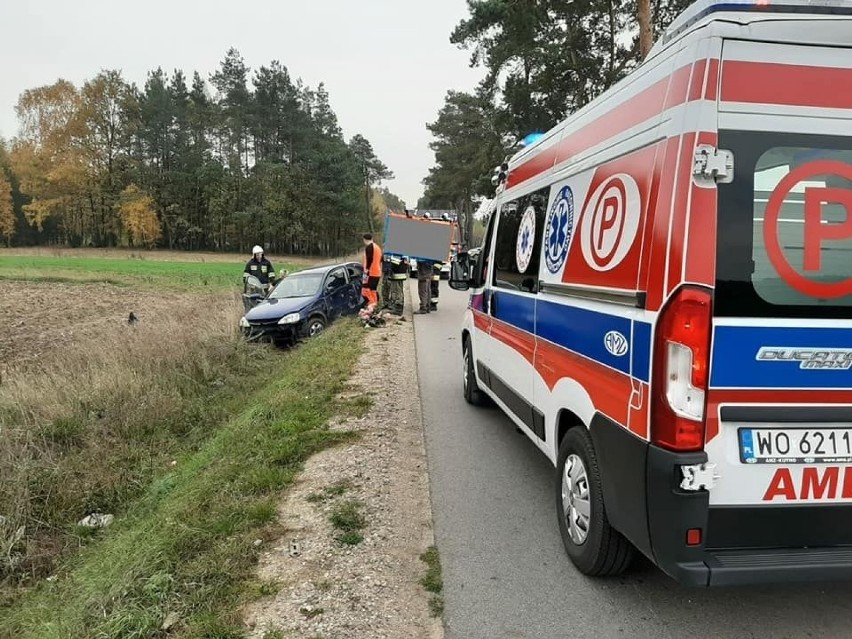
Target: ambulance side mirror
{"type": "Point", "coordinates": [461, 271]}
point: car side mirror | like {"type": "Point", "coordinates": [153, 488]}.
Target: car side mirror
{"type": "Point", "coordinates": [461, 272]}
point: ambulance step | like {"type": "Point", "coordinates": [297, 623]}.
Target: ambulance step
{"type": "Point", "coordinates": [728, 567]}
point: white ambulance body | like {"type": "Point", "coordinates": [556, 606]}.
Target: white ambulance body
{"type": "Point", "coordinates": [663, 302]}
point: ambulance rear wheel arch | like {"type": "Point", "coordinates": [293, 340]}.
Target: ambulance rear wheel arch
{"type": "Point", "coordinates": [593, 545]}
{"type": "Point", "coordinates": [565, 421]}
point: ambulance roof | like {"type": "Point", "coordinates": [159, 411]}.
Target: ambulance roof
{"type": "Point", "coordinates": [706, 10]}
{"type": "Point", "coordinates": [701, 9]}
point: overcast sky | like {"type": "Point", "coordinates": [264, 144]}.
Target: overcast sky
{"type": "Point", "coordinates": [387, 64]}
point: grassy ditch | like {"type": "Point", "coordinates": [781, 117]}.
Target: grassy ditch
{"type": "Point", "coordinates": [193, 479]}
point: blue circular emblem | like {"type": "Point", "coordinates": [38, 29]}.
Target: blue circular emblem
{"type": "Point", "coordinates": [558, 229]}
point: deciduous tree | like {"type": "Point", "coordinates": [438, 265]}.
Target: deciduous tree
{"type": "Point", "coordinates": [138, 217]}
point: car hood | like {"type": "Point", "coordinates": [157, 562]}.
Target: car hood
{"type": "Point", "coordinates": [276, 309]}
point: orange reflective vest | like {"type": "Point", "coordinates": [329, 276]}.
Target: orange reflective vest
{"type": "Point", "coordinates": [372, 262]}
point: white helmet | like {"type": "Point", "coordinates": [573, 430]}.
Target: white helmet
{"type": "Point", "coordinates": [256, 250]}
{"type": "Point", "coordinates": [427, 215]}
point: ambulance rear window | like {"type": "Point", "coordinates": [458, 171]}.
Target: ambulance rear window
{"type": "Point", "coordinates": [785, 227]}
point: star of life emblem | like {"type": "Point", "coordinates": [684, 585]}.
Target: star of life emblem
{"type": "Point", "coordinates": [526, 240]}
{"type": "Point", "coordinates": [558, 229]}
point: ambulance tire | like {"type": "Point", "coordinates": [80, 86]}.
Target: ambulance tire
{"type": "Point", "coordinates": [604, 551]}
{"type": "Point", "coordinates": [472, 394]}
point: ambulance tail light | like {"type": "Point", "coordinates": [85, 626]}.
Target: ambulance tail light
{"type": "Point", "coordinates": [681, 364]}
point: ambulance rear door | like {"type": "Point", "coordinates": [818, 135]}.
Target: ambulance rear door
{"type": "Point", "coordinates": [779, 406]}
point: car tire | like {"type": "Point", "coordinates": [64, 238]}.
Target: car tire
{"type": "Point", "coordinates": [314, 326]}
{"type": "Point", "coordinates": [472, 393]}
{"type": "Point", "coordinates": [595, 547]}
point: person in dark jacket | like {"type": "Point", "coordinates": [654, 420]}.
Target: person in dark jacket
{"type": "Point", "coordinates": [260, 267]}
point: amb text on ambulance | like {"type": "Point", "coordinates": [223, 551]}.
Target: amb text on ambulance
{"type": "Point", "coordinates": [663, 302]}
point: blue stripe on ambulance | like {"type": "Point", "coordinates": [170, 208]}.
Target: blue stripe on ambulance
{"type": "Point", "coordinates": [579, 330]}
{"type": "Point", "coordinates": [735, 363]}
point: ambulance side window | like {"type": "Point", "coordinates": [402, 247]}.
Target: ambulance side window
{"type": "Point", "coordinates": [518, 242]}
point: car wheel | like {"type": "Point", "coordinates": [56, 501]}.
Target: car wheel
{"type": "Point", "coordinates": [472, 393]}
{"type": "Point", "coordinates": [593, 545]}
{"type": "Point", "coordinates": [316, 325]}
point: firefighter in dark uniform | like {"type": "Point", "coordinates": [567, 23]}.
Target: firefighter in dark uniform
{"type": "Point", "coordinates": [424, 285]}
{"type": "Point", "coordinates": [396, 289]}
{"type": "Point", "coordinates": [386, 279]}
{"type": "Point", "coordinates": [261, 268]}
{"type": "Point", "coordinates": [436, 282]}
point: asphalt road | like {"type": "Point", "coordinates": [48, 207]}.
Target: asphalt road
{"type": "Point", "coordinates": [506, 574]}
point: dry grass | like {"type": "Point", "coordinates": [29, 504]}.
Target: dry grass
{"type": "Point", "coordinates": [85, 427]}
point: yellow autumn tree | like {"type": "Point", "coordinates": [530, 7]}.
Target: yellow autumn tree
{"type": "Point", "coordinates": [46, 158]}
{"type": "Point", "coordinates": [138, 215]}
{"type": "Point", "coordinates": [7, 211]}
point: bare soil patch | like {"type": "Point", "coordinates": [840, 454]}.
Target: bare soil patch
{"type": "Point", "coordinates": [337, 590]}
{"type": "Point", "coordinates": [37, 319]}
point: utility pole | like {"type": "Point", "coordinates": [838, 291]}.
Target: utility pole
{"type": "Point", "coordinates": [646, 32]}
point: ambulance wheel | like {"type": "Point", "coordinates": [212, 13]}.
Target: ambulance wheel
{"type": "Point", "coordinates": [472, 394]}
{"type": "Point", "coordinates": [592, 544]}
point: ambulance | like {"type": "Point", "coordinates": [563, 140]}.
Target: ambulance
{"type": "Point", "coordinates": [663, 302]}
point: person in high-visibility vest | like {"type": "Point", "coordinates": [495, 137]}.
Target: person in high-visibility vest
{"type": "Point", "coordinates": [372, 264]}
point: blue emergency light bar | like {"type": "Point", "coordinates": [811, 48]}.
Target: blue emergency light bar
{"type": "Point", "coordinates": [532, 138]}
{"type": "Point", "coordinates": [703, 8]}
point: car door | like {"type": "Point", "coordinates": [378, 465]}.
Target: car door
{"type": "Point", "coordinates": [356, 275]}
{"type": "Point", "coordinates": [335, 292]}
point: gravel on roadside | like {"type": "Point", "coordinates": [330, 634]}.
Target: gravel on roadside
{"type": "Point", "coordinates": [370, 589]}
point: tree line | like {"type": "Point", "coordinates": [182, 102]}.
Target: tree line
{"type": "Point", "coordinates": [543, 59]}
{"type": "Point", "coordinates": [183, 163]}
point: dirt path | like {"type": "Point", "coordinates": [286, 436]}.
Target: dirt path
{"type": "Point", "coordinates": [370, 589]}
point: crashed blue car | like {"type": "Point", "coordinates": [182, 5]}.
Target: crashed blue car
{"type": "Point", "coordinates": [304, 303]}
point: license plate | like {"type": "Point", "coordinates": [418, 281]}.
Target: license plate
{"type": "Point", "coordinates": [795, 445]}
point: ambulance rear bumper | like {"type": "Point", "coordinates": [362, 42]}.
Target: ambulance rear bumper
{"type": "Point", "coordinates": [738, 546]}
{"type": "Point", "coordinates": [741, 567]}
{"type": "Point", "coordinates": [791, 553]}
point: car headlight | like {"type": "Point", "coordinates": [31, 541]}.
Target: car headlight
{"type": "Point", "coordinates": [292, 318]}
{"type": "Point", "coordinates": [244, 323]}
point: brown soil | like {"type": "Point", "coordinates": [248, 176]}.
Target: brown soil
{"type": "Point", "coordinates": [38, 319]}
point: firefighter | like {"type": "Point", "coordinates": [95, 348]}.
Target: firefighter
{"type": "Point", "coordinates": [372, 264]}
{"type": "Point", "coordinates": [424, 285]}
{"type": "Point", "coordinates": [260, 267]}
{"type": "Point", "coordinates": [396, 289]}
{"type": "Point", "coordinates": [387, 272]}
{"type": "Point", "coordinates": [435, 285]}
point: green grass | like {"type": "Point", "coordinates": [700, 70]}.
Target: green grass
{"type": "Point", "coordinates": [433, 581]}
{"type": "Point", "coordinates": [128, 272]}
{"type": "Point", "coordinates": [348, 518]}
{"type": "Point", "coordinates": [186, 545]}
{"type": "Point", "coordinates": [335, 490]}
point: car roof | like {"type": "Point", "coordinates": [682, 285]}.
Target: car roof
{"type": "Point", "coordinates": [324, 268]}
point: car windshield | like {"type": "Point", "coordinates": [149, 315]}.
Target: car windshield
{"type": "Point", "coordinates": [297, 285]}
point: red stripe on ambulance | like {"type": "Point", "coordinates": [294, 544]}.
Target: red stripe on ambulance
{"type": "Point", "coordinates": [786, 84]}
